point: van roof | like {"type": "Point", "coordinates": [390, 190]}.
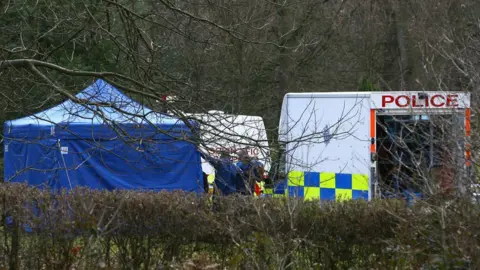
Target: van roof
{"type": "Point", "coordinates": [357, 94]}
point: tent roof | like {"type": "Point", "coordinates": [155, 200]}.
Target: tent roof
{"type": "Point", "coordinates": [106, 105]}
{"type": "Point", "coordinates": [117, 107]}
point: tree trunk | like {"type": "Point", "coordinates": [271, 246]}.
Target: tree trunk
{"type": "Point", "coordinates": [400, 20]}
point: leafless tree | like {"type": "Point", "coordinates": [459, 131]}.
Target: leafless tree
{"type": "Point", "coordinates": [240, 58]}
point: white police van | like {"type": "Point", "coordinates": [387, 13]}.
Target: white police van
{"type": "Point", "coordinates": [356, 140]}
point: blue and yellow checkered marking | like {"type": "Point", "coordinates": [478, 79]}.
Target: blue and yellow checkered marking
{"type": "Point", "coordinates": [327, 186]}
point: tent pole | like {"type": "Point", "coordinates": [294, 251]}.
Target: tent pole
{"type": "Point", "coordinates": [64, 164]}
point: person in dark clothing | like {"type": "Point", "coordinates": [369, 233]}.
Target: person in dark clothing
{"type": "Point", "coordinates": [251, 172]}
{"type": "Point", "coordinates": [226, 173]}
{"type": "Point", "coordinates": [206, 186]}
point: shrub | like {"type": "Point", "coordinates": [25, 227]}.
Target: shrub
{"type": "Point", "coordinates": [88, 229]}
{"type": "Point", "coordinates": [1, 168]}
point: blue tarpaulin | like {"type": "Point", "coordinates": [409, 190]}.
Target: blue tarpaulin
{"type": "Point", "coordinates": [111, 143]}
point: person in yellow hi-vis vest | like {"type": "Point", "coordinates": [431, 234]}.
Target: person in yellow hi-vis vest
{"type": "Point", "coordinates": [211, 181]}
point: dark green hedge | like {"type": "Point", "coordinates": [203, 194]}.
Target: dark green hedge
{"type": "Point", "coordinates": [86, 229]}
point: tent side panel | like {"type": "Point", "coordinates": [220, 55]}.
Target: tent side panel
{"type": "Point", "coordinates": [158, 165]}
{"type": "Point", "coordinates": [32, 163]}
{"type": "Point", "coordinates": [166, 164]}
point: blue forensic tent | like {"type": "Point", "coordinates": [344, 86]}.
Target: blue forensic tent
{"type": "Point", "coordinates": [111, 143]}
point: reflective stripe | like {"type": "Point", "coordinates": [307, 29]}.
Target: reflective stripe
{"type": "Point", "coordinates": [327, 186]}
{"type": "Point", "coordinates": [257, 189]}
